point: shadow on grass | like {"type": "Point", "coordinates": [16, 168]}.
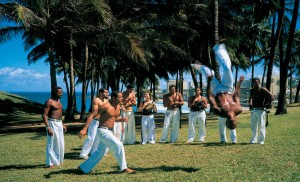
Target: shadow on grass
{"type": "Point", "coordinates": [138, 170]}
{"type": "Point", "coordinates": [72, 155]}
{"type": "Point", "coordinates": [211, 144]}
{"type": "Point", "coordinates": [21, 167]}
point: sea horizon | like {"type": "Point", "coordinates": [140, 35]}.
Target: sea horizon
{"type": "Point", "coordinates": [42, 96]}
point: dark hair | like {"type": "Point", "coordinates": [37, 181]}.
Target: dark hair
{"type": "Point", "coordinates": [55, 89]}
{"type": "Point", "coordinates": [231, 124]}
{"type": "Point", "coordinates": [114, 94]}
{"type": "Point", "coordinates": [256, 79]}
{"type": "Point", "coordinates": [197, 88]}
{"type": "Point", "coordinates": [172, 86]}
{"type": "Point", "coordinates": [101, 90]}
{"type": "Point", "coordinates": [130, 86]}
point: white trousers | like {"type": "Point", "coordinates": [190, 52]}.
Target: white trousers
{"type": "Point", "coordinates": [55, 148]}
{"type": "Point", "coordinates": [194, 118]}
{"type": "Point", "coordinates": [258, 122]}
{"type": "Point", "coordinates": [222, 131]}
{"type": "Point", "coordinates": [226, 84]}
{"type": "Point", "coordinates": [107, 140]}
{"type": "Point", "coordinates": [148, 129]}
{"type": "Point", "coordinates": [171, 116]}
{"type": "Point", "coordinates": [119, 131]}
{"type": "Point", "coordinates": [129, 128]}
{"type": "Point", "coordinates": [90, 145]}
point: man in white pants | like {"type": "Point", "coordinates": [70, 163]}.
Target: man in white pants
{"type": "Point", "coordinates": [197, 114]}
{"type": "Point", "coordinates": [222, 131]}
{"type": "Point", "coordinates": [224, 100]}
{"type": "Point", "coordinates": [172, 101]}
{"type": "Point", "coordinates": [128, 102]}
{"type": "Point", "coordinates": [109, 113]}
{"type": "Point", "coordinates": [259, 99]}
{"type": "Point", "coordinates": [90, 145]}
{"type": "Point", "coordinates": [52, 116]}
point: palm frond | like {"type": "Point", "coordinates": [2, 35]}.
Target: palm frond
{"type": "Point", "coordinates": [28, 17]}
{"type": "Point", "coordinates": [37, 53]}
{"type": "Point", "coordinates": [7, 33]}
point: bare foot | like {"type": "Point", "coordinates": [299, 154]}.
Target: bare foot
{"type": "Point", "coordinates": [128, 171]}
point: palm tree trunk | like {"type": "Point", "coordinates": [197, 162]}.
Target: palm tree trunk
{"type": "Point", "coordinates": [236, 74]}
{"type": "Point", "coordinates": [200, 82]}
{"type": "Point", "coordinates": [92, 87]}
{"type": "Point", "coordinates": [283, 79]}
{"type": "Point", "coordinates": [71, 103]}
{"type": "Point", "coordinates": [52, 69]}
{"type": "Point", "coordinates": [274, 43]}
{"type": "Point", "coordinates": [297, 93]}
{"type": "Point", "coordinates": [264, 73]}
{"type": "Point", "coordinates": [177, 78]}
{"type": "Point", "coordinates": [280, 109]}
{"type": "Point", "coordinates": [154, 88]}
{"type": "Point", "coordinates": [84, 85]}
{"type": "Point", "coordinates": [193, 73]}
{"type": "Point", "coordinates": [252, 62]}
{"type": "Point", "coordinates": [291, 78]}
{"type": "Point", "coordinates": [66, 81]}
{"type": "Point", "coordinates": [214, 64]}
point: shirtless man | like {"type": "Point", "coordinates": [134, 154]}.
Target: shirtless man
{"type": "Point", "coordinates": [52, 116]}
{"type": "Point", "coordinates": [129, 100]}
{"type": "Point", "coordinates": [90, 145]}
{"type": "Point", "coordinates": [259, 99]}
{"type": "Point", "coordinates": [109, 114]}
{"type": "Point", "coordinates": [224, 100]}
{"type": "Point", "coordinates": [172, 101]}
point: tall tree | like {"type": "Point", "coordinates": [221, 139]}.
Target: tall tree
{"type": "Point", "coordinates": [274, 40]}
{"type": "Point", "coordinates": [281, 106]}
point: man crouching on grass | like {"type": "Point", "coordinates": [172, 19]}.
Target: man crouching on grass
{"type": "Point", "coordinates": [109, 114]}
{"type": "Point", "coordinates": [55, 128]}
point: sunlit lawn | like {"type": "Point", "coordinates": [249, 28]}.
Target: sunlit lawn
{"type": "Point", "coordinates": [23, 156]}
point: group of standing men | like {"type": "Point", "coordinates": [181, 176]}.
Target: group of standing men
{"type": "Point", "coordinates": [111, 123]}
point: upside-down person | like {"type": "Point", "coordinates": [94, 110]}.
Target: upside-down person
{"type": "Point", "coordinates": [225, 101]}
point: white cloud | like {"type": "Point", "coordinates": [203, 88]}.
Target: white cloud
{"type": "Point", "coordinates": [18, 79]}
{"type": "Point", "coordinates": [21, 73]}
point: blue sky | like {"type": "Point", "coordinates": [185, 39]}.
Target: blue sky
{"type": "Point", "coordinates": [17, 76]}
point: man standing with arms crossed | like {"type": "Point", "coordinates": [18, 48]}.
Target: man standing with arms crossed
{"type": "Point", "coordinates": [129, 100]}
{"type": "Point", "coordinates": [109, 114]}
{"type": "Point", "coordinates": [52, 116]}
{"type": "Point", "coordinates": [172, 101]}
{"type": "Point", "coordinates": [259, 99]}
{"type": "Point", "coordinates": [90, 145]}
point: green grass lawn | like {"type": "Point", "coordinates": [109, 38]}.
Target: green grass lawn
{"type": "Point", "coordinates": [23, 156]}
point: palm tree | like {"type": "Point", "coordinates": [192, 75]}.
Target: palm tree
{"type": "Point", "coordinates": [296, 61]}
{"type": "Point", "coordinates": [273, 44]}
{"type": "Point", "coordinates": [281, 107]}
{"type": "Point", "coordinates": [39, 22]}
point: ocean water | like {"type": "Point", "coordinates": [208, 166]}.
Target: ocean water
{"type": "Point", "coordinates": [41, 97]}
